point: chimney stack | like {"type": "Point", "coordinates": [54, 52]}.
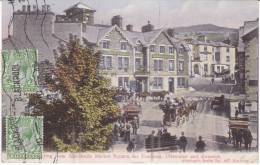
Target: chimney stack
{"type": "Point", "coordinates": [170, 32]}
{"type": "Point", "coordinates": [28, 8]}
{"type": "Point", "coordinates": [129, 27]}
{"type": "Point", "coordinates": [23, 8]}
{"type": "Point", "coordinates": [147, 28]}
{"type": "Point", "coordinates": [117, 20]}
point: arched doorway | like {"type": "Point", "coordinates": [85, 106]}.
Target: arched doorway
{"type": "Point", "coordinates": [196, 69]}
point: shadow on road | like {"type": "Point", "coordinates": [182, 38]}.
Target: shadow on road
{"type": "Point", "coordinates": [151, 123]}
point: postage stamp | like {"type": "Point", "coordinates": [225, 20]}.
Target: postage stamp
{"type": "Point", "coordinates": [24, 136]}
{"type": "Point", "coordinates": [19, 71]}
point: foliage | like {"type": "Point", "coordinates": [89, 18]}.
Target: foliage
{"type": "Point", "coordinates": [82, 119]}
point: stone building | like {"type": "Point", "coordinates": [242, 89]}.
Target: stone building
{"type": "Point", "coordinates": [150, 60]}
{"type": "Point", "coordinates": [210, 58]}
{"type": "Point", "coordinates": [243, 30]}
{"type": "Point", "coordinates": [251, 42]}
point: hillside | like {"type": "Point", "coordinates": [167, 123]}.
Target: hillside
{"type": "Point", "coordinates": [205, 28]}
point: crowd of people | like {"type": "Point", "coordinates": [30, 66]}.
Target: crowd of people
{"type": "Point", "coordinates": [124, 130]}
{"type": "Point", "coordinates": [182, 141]}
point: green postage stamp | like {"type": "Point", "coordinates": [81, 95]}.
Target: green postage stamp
{"type": "Point", "coordinates": [19, 71]}
{"type": "Point", "coordinates": [24, 137]}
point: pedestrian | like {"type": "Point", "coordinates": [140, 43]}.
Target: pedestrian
{"type": "Point", "coordinates": [165, 133]}
{"type": "Point", "coordinates": [236, 113]}
{"type": "Point", "coordinates": [131, 146]}
{"type": "Point", "coordinates": [135, 125]}
{"type": "Point", "coordinates": [240, 107]}
{"type": "Point", "coordinates": [159, 133]}
{"type": "Point", "coordinates": [183, 142]}
{"type": "Point", "coordinates": [152, 134]}
{"type": "Point", "coordinates": [127, 132]}
{"type": "Point", "coordinates": [116, 131]}
{"type": "Point", "coordinates": [212, 80]}
{"type": "Point", "coordinates": [200, 145]}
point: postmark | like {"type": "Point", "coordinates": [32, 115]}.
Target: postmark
{"type": "Point", "coordinates": [19, 71]}
{"type": "Point", "coordinates": [24, 137]}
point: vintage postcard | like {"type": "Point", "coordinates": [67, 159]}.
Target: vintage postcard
{"type": "Point", "coordinates": [130, 81]}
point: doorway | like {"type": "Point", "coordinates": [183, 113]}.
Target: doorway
{"type": "Point", "coordinates": [171, 84]}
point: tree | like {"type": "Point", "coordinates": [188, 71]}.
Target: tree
{"type": "Point", "coordinates": [81, 119]}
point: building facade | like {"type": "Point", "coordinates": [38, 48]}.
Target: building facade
{"type": "Point", "coordinates": [241, 61]}
{"type": "Point", "coordinates": [150, 60]}
{"type": "Point", "coordinates": [251, 42]}
{"type": "Point", "coordinates": [210, 58]}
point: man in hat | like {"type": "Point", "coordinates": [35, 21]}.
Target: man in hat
{"type": "Point", "coordinates": [183, 142]}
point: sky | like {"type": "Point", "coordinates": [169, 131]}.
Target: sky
{"type": "Point", "coordinates": [161, 13]}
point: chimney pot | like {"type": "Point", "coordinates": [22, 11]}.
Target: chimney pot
{"type": "Point", "coordinates": [148, 27]}
{"type": "Point", "coordinates": [117, 20]}
{"type": "Point", "coordinates": [170, 32]}
{"type": "Point", "coordinates": [129, 27]}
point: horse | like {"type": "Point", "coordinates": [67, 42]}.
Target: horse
{"type": "Point", "coordinates": [160, 95]}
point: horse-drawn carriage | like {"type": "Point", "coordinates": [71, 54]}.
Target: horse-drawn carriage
{"type": "Point", "coordinates": [219, 103]}
{"type": "Point", "coordinates": [131, 111]}
{"type": "Point", "coordinates": [178, 113]}
{"type": "Point", "coordinates": [169, 111]}
{"type": "Point", "coordinates": [238, 130]}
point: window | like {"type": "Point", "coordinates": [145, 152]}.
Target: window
{"type": "Point", "coordinates": [171, 50]}
{"type": "Point", "coordinates": [158, 83]}
{"type": "Point", "coordinates": [158, 65]}
{"type": "Point", "coordinates": [138, 48]}
{"type": "Point", "coordinates": [106, 63]}
{"type": "Point", "coordinates": [105, 44]}
{"type": "Point", "coordinates": [123, 82]}
{"type": "Point", "coordinates": [218, 69]}
{"type": "Point", "coordinates": [205, 48]}
{"type": "Point", "coordinates": [206, 57]}
{"type": "Point", "coordinates": [227, 49]}
{"type": "Point", "coordinates": [171, 65]}
{"type": "Point", "coordinates": [123, 45]}
{"type": "Point", "coordinates": [227, 58]}
{"type": "Point", "coordinates": [137, 63]}
{"type": "Point", "coordinates": [212, 49]}
{"type": "Point", "coordinates": [205, 67]}
{"type": "Point", "coordinates": [253, 82]}
{"type": "Point", "coordinates": [152, 48]}
{"type": "Point", "coordinates": [123, 63]}
{"type": "Point", "coordinates": [162, 49]}
{"type": "Point", "coordinates": [181, 65]}
{"type": "Point", "coordinates": [181, 82]}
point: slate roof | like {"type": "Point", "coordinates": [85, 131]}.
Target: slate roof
{"type": "Point", "coordinates": [80, 5]}
{"type": "Point", "coordinates": [95, 33]}
{"type": "Point", "coordinates": [210, 43]}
